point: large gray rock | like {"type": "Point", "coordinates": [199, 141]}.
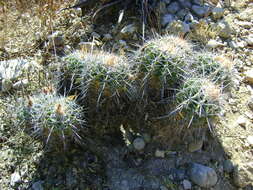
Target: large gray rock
{"type": "Point", "coordinates": [243, 174]}
{"type": "Point", "coordinates": [201, 10]}
{"type": "Point", "coordinates": [185, 3]}
{"type": "Point", "coordinates": [202, 175]}
{"type": "Point", "coordinates": [167, 19]}
{"type": "Point", "coordinates": [173, 8]}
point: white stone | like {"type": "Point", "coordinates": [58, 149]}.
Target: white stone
{"type": "Point", "coordinates": [241, 120]}
{"type": "Point", "coordinates": [187, 184]}
{"type": "Point", "coordinates": [249, 76]}
{"type": "Point", "coordinates": [214, 44]}
{"type": "Point", "coordinates": [160, 153]}
{"type": "Point", "coordinates": [250, 140]}
{"type": "Point", "coordinates": [139, 143]}
{"type": "Point", "coordinates": [15, 178]}
{"type": "Point", "coordinates": [20, 84]}
{"type": "Point", "coordinates": [249, 40]}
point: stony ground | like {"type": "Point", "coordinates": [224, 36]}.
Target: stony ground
{"type": "Point", "coordinates": [218, 157]}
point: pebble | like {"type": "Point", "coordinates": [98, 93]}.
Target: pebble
{"type": "Point", "coordinates": [214, 44]}
{"type": "Point", "coordinates": [249, 76]}
{"type": "Point", "coordinates": [128, 30]}
{"type": "Point", "coordinates": [242, 121]}
{"type": "Point", "coordinates": [163, 187]}
{"type": "Point", "coordinates": [224, 29]}
{"type": "Point", "coordinates": [228, 166]}
{"type": "Point", "coordinates": [37, 185]}
{"type": "Point", "coordinates": [6, 85]}
{"type": "Point", "coordinates": [173, 8]}
{"type": "Point", "coordinates": [167, 19]}
{"type": "Point", "coordinates": [139, 143]}
{"type": "Point", "coordinates": [200, 10]}
{"type": "Point", "coordinates": [249, 40]}
{"type": "Point", "coordinates": [217, 13]}
{"type": "Point", "coordinates": [160, 153]}
{"type": "Point", "coordinates": [107, 37]}
{"type": "Point", "coordinates": [250, 140]}
{"type": "Point", "coordinates": [15, 179]}
{"type": "Point", "coordinates": [20, 84]}
{"type": "Point", "coordinates": [187, 184]}
{"type": "Point", "coordinates": [185, 3]}
{"type": "Point", "coordinates": [202, 175]}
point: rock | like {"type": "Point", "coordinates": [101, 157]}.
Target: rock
{"type": "Point", "coordinates": [15, 179]}
{"type": "Point", "coordinates": [249, 115]}
{"type": "Point", "coordinates": [228, 166]}
{"type": "Point", "coordinates": [173, 7]}
{"type": "Point", "coordinates": [95, 35]}
{"type": "Point", "coordinates": [236, 45]}
{"type": "Point", "coordinates": [107, 37]}
{"type": "Point", "coordinates": [217, 13]}
{"type": "Point", "coordinates": [202, 175]}
{"type": "Point", "coordinates": [250, 140]}
{"type": "Point", "coordinates": [249, 40]}
{"type": "Point", "coordinates": [249, 76]}
{"type": "Point", "coordinates": [182, 13]}
{"type": "Point", "coordinates": [37, 185]}
{"type": "Point", "coordinates": [244, 24]}
{"type": "Point", "coordinates": [167, 19]}
{"type": "Point", "coordinates": [185, 3]}
{"type": "Point", "coordinates": [243, 174]}
{"type": "Point", "coordinates": [214, 44]}
{"type": "Point", "coordinates": [163, 187]}
{"type": "Point", "coordinates": [14, 68]}
{"type": "Point", "coordinates": [242, 121]}
{"type": "Point", "coordinates": [139, 143]}
{"type": "Point", "coordinates": [160, 153]}
{"type": "Point", "coordinates": [195, 145]}
{"type": "Point", "coordinates": [178, 27]}
{"type": "Point", "coordinates": [224, 29]}
{"type": "Point", "coordinates": [127, 31]}
{"type": "Point", "coordinates": [187, 184]}
{"type": "Point", "coordinates": [201, 11]}
{"type": "Point", "coordinates": [188, 18]}
{"type": "Point", "coordinates": [197, 2]}
{"type": "Point", "coordinates": [6, 85]}
{"type": "Point", "coordinates": [167, 1]}
{"type": "Point", "coordinates": [55, 39]}
{"type": "Point", "coordinates": [177, 174]}
{"type": "Point", "coordinates": [122, 43]}
{"type": "Point", "coordinates": [20, 84]}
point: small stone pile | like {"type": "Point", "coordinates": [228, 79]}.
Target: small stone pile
{"type": "Point", "coordinates": [187, 12]}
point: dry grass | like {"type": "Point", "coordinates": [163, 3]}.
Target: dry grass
{"type": "Point", "coordinates": [26, 23]}
{"type": "Point", "coordinates": [203, 32]}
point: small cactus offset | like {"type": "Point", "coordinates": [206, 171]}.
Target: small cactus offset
{"type": "Point", "coordinates": [199, 97]}
{"type": "Point", "coordinates": [162, 63]}
{"type": "Point", "coordinates": [56, 120]}
{"type": "Point", "coordinates": [216, 68]}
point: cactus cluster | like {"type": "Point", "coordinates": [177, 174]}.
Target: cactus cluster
{"type": "Point", "coordinates": [113, 89]}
